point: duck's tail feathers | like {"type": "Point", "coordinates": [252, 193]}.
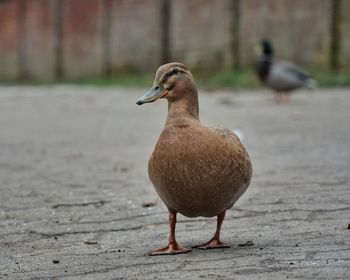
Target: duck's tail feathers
{"type": "Point", "coordinates": [239, 134]}
{"type": "Point", "coordinates": [310, 83]}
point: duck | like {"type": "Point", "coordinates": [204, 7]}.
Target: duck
{"type": "Point", "coordinates": [197, 171]}
{"type": "Point", "coordinates": [281, 76]}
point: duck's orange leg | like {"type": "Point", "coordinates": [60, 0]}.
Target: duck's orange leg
{"type": "Point", "coordinates": [279, 97]}
{"type": "Point", "coordinates": [215, 242]}
{"type": "Point", "coordinates": [173, 247]}
{"type": "Point", "coordinates": [282, 97]}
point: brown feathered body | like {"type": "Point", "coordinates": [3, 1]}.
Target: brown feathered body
{"type": "Point", "coordinates": [198, 171]}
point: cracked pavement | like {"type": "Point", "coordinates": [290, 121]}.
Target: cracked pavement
{"type": "Point", "coordinates": [74, 183]}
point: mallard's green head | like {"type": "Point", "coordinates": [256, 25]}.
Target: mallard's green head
{"type": "Point", "coordinates": [266, 47]}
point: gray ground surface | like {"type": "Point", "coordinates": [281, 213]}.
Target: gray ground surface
{"type": "Point", "coordinates": [73, 170]}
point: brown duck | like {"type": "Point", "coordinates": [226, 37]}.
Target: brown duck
{"type": "Point", "coordinates": [196, 170]}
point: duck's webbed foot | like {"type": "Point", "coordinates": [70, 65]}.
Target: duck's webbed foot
{"type": "Point", "coordinates": [171, 249]}
{"type": "Point", "coordinates": [215, 242]}
{"type": "Point", "coordinates": [212, 244]}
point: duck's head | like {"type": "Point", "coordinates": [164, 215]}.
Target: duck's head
{"type": "Point", "coordinates": [173, 81]}
{"type": "Point", "coordinates": [265, 48]}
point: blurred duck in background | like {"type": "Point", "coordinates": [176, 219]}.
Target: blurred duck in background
{"type": "Point", "coordinates": [281, 76]}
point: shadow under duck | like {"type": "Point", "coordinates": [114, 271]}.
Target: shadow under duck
{"type": "Point", "coordinates": [196, 170]}
{"type": "Point", "coordinates": [281, 76]}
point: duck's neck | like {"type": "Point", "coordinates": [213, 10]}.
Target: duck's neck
{"type": "Point", "coordinates": [264, 66]}
{"type": "Point", "coordinates": [183, 109]}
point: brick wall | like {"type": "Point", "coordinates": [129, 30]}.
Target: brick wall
{"type": "Point", "coordinates": [8, 40]}
{"type": "Point", "coordinates": [135, 32]}
{"type": "Point", "coordinates": [298, 28]}
{"type": "Point", "coordinates": [345, 31]}
{"type": "Point", "coordinates": [38, 50]}
{"type": "Point", "coordinates": [82, 48]}
{"type": "Point", "coordinates": [200, 34]}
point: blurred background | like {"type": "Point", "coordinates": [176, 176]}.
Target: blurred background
{"type": "Point", "coordinates": [75, 197]}
{"type": "Point", "coordinates": [124, 41]}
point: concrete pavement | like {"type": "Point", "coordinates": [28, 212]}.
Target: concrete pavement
{"type": "Point", "coordinates": [73, 180]}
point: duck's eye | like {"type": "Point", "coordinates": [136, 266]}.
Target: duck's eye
{"type": "Point", "coordinates": [175, 71]}
{"type": "Point", "coordinates": [156, 88]}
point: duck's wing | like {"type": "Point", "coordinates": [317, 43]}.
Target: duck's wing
{"type": "Point", "coordinates": [240, 156]}
{"type": "Point", "coordinates": [286, 76]}
{"type": "Point", "coordinates": [227, 134]}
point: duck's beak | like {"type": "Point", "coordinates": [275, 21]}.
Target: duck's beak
{"type": "Point", "coordinates": [152, 95]}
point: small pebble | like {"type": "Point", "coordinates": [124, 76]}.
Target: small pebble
{"type": "Point", "coordinates": [248, 243]}
{"type": "Point", "coordinates": [124, 169]}
{"type": "Point", "coordinates": [149, 204]}
{"type": "Point", "coordinates": [91, 242]}
{"type": "Point", "coordinates": [225, 100]}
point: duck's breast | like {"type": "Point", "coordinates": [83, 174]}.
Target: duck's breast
{"type": "Point", "coordinates": [199, 171]}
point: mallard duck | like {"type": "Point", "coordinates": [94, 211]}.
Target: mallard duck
{"type": "Point", "coordinates": [196, 170]}
{"type": "Point", "coordinates": [281, 76]}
